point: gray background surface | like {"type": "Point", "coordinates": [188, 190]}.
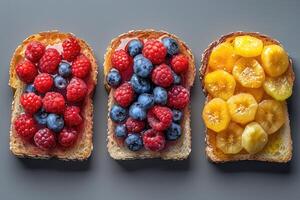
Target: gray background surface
{"type": "Point", "coordinates": [197, 23]}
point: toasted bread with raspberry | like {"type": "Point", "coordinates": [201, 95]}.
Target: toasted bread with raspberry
{"type": "Point", "coordinates": [279, 146]}
{"type": "Point", "coordinates": [83, 147]}
{"type": "Point", "coordinates": [177, 151]}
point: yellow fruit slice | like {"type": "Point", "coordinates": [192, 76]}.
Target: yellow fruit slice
{"type": "Point", "coordinates": [254, 138]}
{"type": "Point", "coordinates": [270, 115]}
{"type": "Point", "coordinates": [230, 140]}
{"type": "Point", "coordinates": [215, 115]}
{"type": "Point", "coordinates": [257, 93]}
{"type": "Point", "coordinates": [220, 83]}
{"type": "Point", "coordinates": [247, 46]}
{"type": "Point", "coordinates": [275, 60]}
{"type": "Point", "coordinates": [242, 108]}
{"type": "Point", "coordinates": [249, 73]}
{"type": "Point", "coordinates": [222, 57]}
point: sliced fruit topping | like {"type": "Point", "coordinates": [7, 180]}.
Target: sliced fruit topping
{"type": "Point", "coordinates": [257, 93]}
{"type": "Point", "coordinates": [248, 46]}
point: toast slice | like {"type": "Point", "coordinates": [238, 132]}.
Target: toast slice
{"type": "Point", "coordinates": [83, 147]}
{"type": "Point", "coordinates": [279, 146]}
{"type": "Point", "coordinates": [176, 151]}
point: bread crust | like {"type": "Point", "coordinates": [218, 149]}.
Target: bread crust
{"type": "Point", "coordinates": [84, 146]}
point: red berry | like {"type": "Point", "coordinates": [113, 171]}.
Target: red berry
{"type": "Point", "coordinates": [162, 75]}
{"type": "Point", "coordinates": [134, 126]}
{"type": "Point", "coordinates": [81, 66]}
{"type": "Point", "coordinates": [155, 51]}
{"type": "Point", "coordinates": [26, 71]}
{"type": "Point", "coordinates": [54, 102]}
{"type": "Point", "coordinates": [43, 83]}
{"type": "Point", "coordinates": [178, 97]}
{"type": "Point", "coordinates": [34, 51]}
{"type": "Point", "coordinates": [25, 126]}
{"type": "Point", "coordinates": [45, 139]}
{"type": "Point", "coordinates": [72, 116]}
{"type": "Point", "coordinates": [121, 60]}
{"type": "Point", "coordinates": [76, 90]}
{"type": "Point", "coordinates": [160, 117]}
{"type": "Point", "coordinates": [154, 140]}
{"type": "Point", "coordinates": [50, 61]}
{"type": "Point", "coordinates": [71, 49]}
{"type": "Point", "coordinates": [180, 63]}
{"type": "Point", "coordinates": [124, 95]}
{"type": "Point", "coordinates": [67, 137]}
{"type": "Point", "coordinates": [31, 102]}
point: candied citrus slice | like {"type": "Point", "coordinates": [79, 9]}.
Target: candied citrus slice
{"type": "Point", "coordinates": [257, 93]}
{"type": "Point", "coordinates": [247, 46]}
{"type": "Point", "coordinates": [219, 83]}
{"type": "Point", "coordinates": [215, 115]}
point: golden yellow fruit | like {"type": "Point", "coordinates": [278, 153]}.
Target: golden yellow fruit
{"type": "Point", "coordinates": [247, 46]}
{"type": "Point", "coordinates": [257, 93]}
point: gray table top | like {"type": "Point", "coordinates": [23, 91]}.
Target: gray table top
{"type": "Point", "coordinates": [197, 23]}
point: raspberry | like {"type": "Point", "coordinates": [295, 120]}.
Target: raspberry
{"type": "Point", "coordinates": [154, 140]}
{"type": "Point", "coordinates": [134, 126]}
{"type": "Point", "coordinates": [180, 63]}
{"type": "Point", "coordinates": [81, 66]}
{"type": "Point", "coordinates": [31, 102]}
{"type": "Point", "coordinates": [25, 126]}
{"type": "Point", "coordinates": [54, 102]}
{"type": "Point", "coordinates": [43, 83]}
{"type": "Point", "coordinates": [121, 60]}
{"type": "Point", "coordinates": [155, 51]}
{"type": "Point", "coordinates": [67, 137]}
{"type": "Point", "coordinates": [26, 71]}
{"type": "Point", "coordinates": [72, 116]}
{"type": "Point", "coordinates": [50, 61]}
{"type": "Point", "coordinates": [178, 97]}
{"type": "Point", "coordinates": [162, 75]}
{"type": "Point", "coordinates": [160, 117]}
{"type": "Point", "coordinates": [34, 51]}
{"type": "Point", "coordinates": [45, 139]}
{"type": "Point", "coordinates": [71, 49]}
{"type": "Point", "coordinates": [124, 94]}
{"type": "Point", "coordinates": [76, 90]}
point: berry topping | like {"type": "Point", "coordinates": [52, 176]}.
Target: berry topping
{"type": "Point", "coordinates": [50, 61]}
{"type": "Point", "coordinates": [41, 117]}
{"type": "Point", "coordinates": [117, 113]}
{"type": "Point", "coordinates": [72, 116]}
{"type": "Point", "coordinates": [81, 66]}
{"type": "Point", "coordinates": [26, 71]}
{"type": "Point", "coordinates": [140, 85]}
{"type": "Point", "coordinates": [177, 115]}
{"type": "Point", "coordinates": [34, 51]}
{"type": "Point", "coordinates": [178, 97]}
{"type": "Point", "coordinates": [154, 140]}
{"type": "Point", "coordinates": [64, 69]}
{"type": "Point", "coordinates": [71, 49]}
{"type": "Point", "coordinates": [134, 47]}
{"type": "Point", "coordinates": [113, 78]}
{"type": "Point", "coordinates": [134, 126]}
{"type": "Point", "coordinates": [146, 100]}
{"type": "Point", "coordinates": [142, 66]}
{"type": "Point", "coordinates": [171, 45]}
{"type": "Point", "coordinates": [25, 126]}
{"type": "Point", "coordinates": [160, 95]}
{"type": "Point", "coordinates": [30, 88]}
{"type": "Point", "coordinates": [45, 139]}
{"type": "Point", "coordinates": [173, 132]}
{"type": "Point", "coordinates": [180, 63]}
{"type": "Point", "coordinates": [121, 131]}
{"type": "Point", "coordinates": [160, 117]}
{"type": "Point", "coordinates": [76, 90]}
{"type": "Point", "coordinates": [67, 137]}
{"type": "Point", "coordinates": [124, 94]}
{"type": "Point", "coordinates": [177, 79]}
{"type": "Point", "coordinates": [54, 102]}
{"type": "Point", "coordinates": [55, 122]}
{"type": "Point", "coordinates": [134, 142]}
{"type": "Point", "coordinates": [60, 83]}
{"type": "Point", "coordinates": [31, 102]}
{"type": "Point", "coordinates": [162, 75]}
{"type": "Point", "coordinates": [155, 51]}
{"type": "Point", "coordinates": [136, 111]}
{"type": "Point", "coordinates": [43, 83]}
{"type": "Point", "coordinates": [121, 60]}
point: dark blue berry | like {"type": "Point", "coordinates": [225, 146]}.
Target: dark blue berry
{"type": "Point", "coordinates": [142, 66]}
{"type": "Point", "coordinates": [113, 78]}
{"type": "Point", "coordinates": [55, 122]}
{"type": "Point", "coordinates": [177, 79]}
{"type": "Point", "coordinates": [140, 85]}
{"type": "Point", "coordinates": [160, 95]}
{"type": "Point", "coordinates": [177, 115]}
{"type": "Point", "coordinates": [117, 113]}
{"type": "Point", "coordinates": [41, 117]}
{"type": "Point", "coordinates": [173, 132]}
{"type": "Point", "coordinates": [135, 47]}
{"type": "Point", "coordinates": [121, 131]}
{"type": "Point", "coordinates": [64, 69]}
{"type": "Point", "coordinates": [30, 88]}
{"type": "Point", "coordinates": [171, 45]}
{"type": "Point", "coordinates": [136, 111]}
{"type": "Point", "coordinates": [146, 100]}
{"type": "Point", "coordinates": [60, 82]}
{"type": "Point", "coordinates": [134, 142]}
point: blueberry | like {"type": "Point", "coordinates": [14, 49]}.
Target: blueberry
{"type": "Point", "coordinates": [55, 122]}
{"type": "Point", "coordinates": [177, 115]}
{"type": "Point", "coordinates": [171, 45]}
{"type": "Point", "coordinates": [121, 131]}
{"type": "Point", "coordinates": [30, 88]}
{"type": "Point", "coordinates": [177, 78]}
{"type": "Point", "coordinates": [60, 82]}
{"type": "Point", "coordinates": [64, 69]}
{"type": "Point", "coordinates": [142, 66]}
{"type": "Point", "coordinates": [146, 100]}
{"type": "Point", "coordinates": [173, 132]}
{"type": "Point", "coordinates": [140, 85]}
{"type": "Point", "coordinates": [117, 113]}
{"type": "Point", "coordinates": [41, 117]}
{"type": "Point", "coordinates": [160, 95]}
{"type": "Point", "coordinates": [136, 111]}
{"type": "Point", "coordinates": [113, 78]}
{"type": "Point", "coordinates": [134, 142]}
{"type": "Point", "coordinates": [135, 47]}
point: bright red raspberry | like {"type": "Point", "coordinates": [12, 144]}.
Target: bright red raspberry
{"type": "Point", "coordinates": [67, 137]}
{"type": "Point", "coordinates": [72, 116]}
{"type": "Point", "coordinates": [81, 66]}
{"type": "Point", "coordinates": [178, 97]}
{"type": "Point", "coordinates": [54, 102]}
{"type": "Point", "coordinates": [50, 61]}
{"type": "Point", "coordinates": [71, 49]}
{"type": "Point", "coordinates": [154, 140]}
{"type": "Point", "coordinates": [155, 51]}
{"type": "Point", "coordinates": [43, 83]}
{"type": "Point", "coordinates": [76, 90]}
{"type": "Point", "coordinates": [134, 126]}
{"type": "Point", "coordinates": [25, 126]}
{"type": "Point", "coordinates": [124, 94]}
{"type": "Point", "coordinates": [160, 117]}
{"type": "Point", "coordinates": [31, 102]}
{"type": "Point", "coordinates": [34, 51]}
{"type": "Point", "coordinates": [121, 60]}
{"type": "Point", "coordinates": [26, 71]}
{"type": "Point", "coordinates": [180, 63]}
{"type": "Point", "coordinates": [162, 75]}
{"type": "Point", "coordinates": [45, 139]}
